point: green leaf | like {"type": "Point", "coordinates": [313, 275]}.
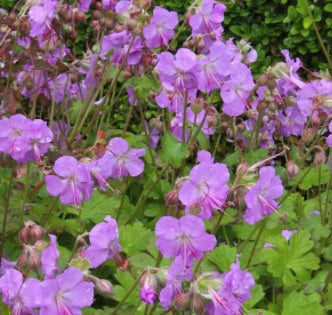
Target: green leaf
{"type": "Point", "coordinates": [172, 151]}
{"type": "Point", "coordinates": [134, 238]}
{"type": "Point", "coordinates": [144, 85]}
{"type": "Point", "coordinates": [291, 262]}
{"type": "Point", "coordinates": [256, 156]}
{"type": "Point", "coordinates": [317, 283]}
{"type": "Point", "coordinates": [222, 256]}
{"type": "Point", "coordinates": [328, 7]}
{"type": "Point", "coordinates": [307, 22]}
{"type": "Point", "coordinates": [257, 293]}
{"type": "Point", "coordinates": [99, 206]}
{"type": "Point", "coordinates": [298, 303]}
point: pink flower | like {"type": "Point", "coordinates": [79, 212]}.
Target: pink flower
{"type": "Point", "coordinates": [206, 189]}
{"type": "Point", "coordinates": [125, 161]}
{"type": "Point", "coordinates": [184, 237]}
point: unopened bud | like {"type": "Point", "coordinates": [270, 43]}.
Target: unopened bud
{"type": "Point", "coordinates": [187, 16]}
{"type": "Point", "coordinates": [320, 157]}
{"type": "Point", "coordinates": [212, 121]}
{"type": "Point", "coordinates": [201, 44]}
{"type": "Point", "coordinates": [104, 287]}
{"type": "Point", "coordinates": [118, 28]}
{"type": "Point", "coordinates": [308, 135]}
{"type": "Point", "coordinates": [197, 105]}
{"type": "Point", "coordinates": [148, 283]}
{"type": "Point", "coordinates": [197, 305]}
{"type": "Point", "coordinates": [31, 232]}
{"type": "Point", "coordinates": [195, 209]}
{"type": "Point", "coordinates": [121, 261]}
{"type": "Point", "coordinates": [96, 15]}
{"type": "Point", "coordinates": [30, 259]}
{"type": "Point", "coordinates": [262, 80]}
{"type": "Point", "coordinates": [182, 301]}
{"type": "Point", "coordinates": [242, 168]}
{"type": "Point", "coordinates": [172, 197]}
{"type": "Point", "coordinates": [78, 16]}
{"type": "Point", "coordinates": [292, 168]}
{"type": "Point", "coordinates": [131, 24]}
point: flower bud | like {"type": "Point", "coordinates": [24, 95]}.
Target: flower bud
{"type": "Point", "coordinates": [172, 197]}
{"type": "Point", "coordinates": [200, 44]}
{"type": "Point", "coordinates": [131, 24]}
{"type": "Point", "coordinates": [121, 261]}
{"type": "Point", "coordinates": [182, 301]}
{"type": "Point", "coordinates": [242, 168]}
{"type": "Point", "coordinates": [320, 157]}
{"type": "Point", "coordinates": [104, 287]}
{"type": "Point", "coordinates": [197, 305]}
{"type": "Point", "coordinates": [308, 135]}
{"type": "Point", "coordinates": [197, 105]}
{"type": "Point", "coordinates": [262, 80]}
{"type": "Point", "coordinates": [238, 198]}
{"type": "Point", "coordinates": [31, 232]}
{"type": "Point", "coordinates": [195, 209]}
{"type": "Point", "coordinates": [187, 16]}
{"type": "Point", "coordinates": [78, 16]}
{"type": "Point", "coordinates": [292, 168]}
{"type": "Point", "coordinates": [148, 284]}
{"type": "Point", "coordinates": [30, 259]}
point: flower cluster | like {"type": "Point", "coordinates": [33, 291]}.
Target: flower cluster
{"type": "Point", "coordinates": [73, 181]}
{"type": "Point", "coordinates": [24, 139]}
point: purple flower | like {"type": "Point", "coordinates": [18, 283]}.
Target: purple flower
{"type": "Point", "coordinates": [125, 162]}
{"type": "Point", "coordinates": [235, 91]}
{"type": "Point", "coordinates": [288, 233]}
{"type": "Point", "coordinates": [109, 4]}
{"type": "Point", "coordinates": [208, 19]}
{"type": "Point", "coordinates": [73, 183]}
{"type": "Point", "coordinates": [174, 100]}
{"type": "Point", "coordinates": [184, 237]}
{"type": "Point", "coordinates": [65, 294]}
{"type": "Point", "coordinates": [14, 292]}
{"type": "Point", "coordinates": [100, 170]}
{"type": "Point", "coordinates": [35, 141]}
{"type": "Point", "coordinates": [315, 96]}
{"type": "Point", "coordinates": [179, 72]}
{"type": "Point", "coordinates": [84, 5]}
{"type": "Point", "coordinates": [119, 44]}
{"type": "Point", "coordinates": [260, 199]}
{"type": "Point", "coordinates": [214, 68]}
{"type": "Point", "coordinates": [178, 272]}
{"type": "Point", "coordinates": [147, 292]}
{"type": "Point", "coordinates": [329, 138]}
{"type": "Point", "coordinates": [50, 258]}
{"type": "Point", "coordinates": [23, 139]}
{"type": "Point", "coordinates": [12, 129]}
{"type": "Point", "coordinates": [204, 157]}
{"type": "Point", "coordinates": [161, 28]}
{"type": "Point", "coordinates": [41, 16]}
{"type": "Point", "coordinates": [6, 264]}
{"type": "Point", "coordinates": [233, 293]}
{"type": "Point", "coordinates": [104, 242]}
{"type": "Point", "coordinates": [206, 189]}
{"type": "Point", "coordinates": [292, 123]}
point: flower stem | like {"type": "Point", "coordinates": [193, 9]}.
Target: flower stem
{"type": "Point", "coordinates": [128, 293]}
{"type": "Point", "coordinates": [6, 209]}
{"type": "Point", "coordinates": [326, 54]}
{"type": "Point", "coordinates": [214, 230]}
{"type": "Point", "coordinates": [256, 243]}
